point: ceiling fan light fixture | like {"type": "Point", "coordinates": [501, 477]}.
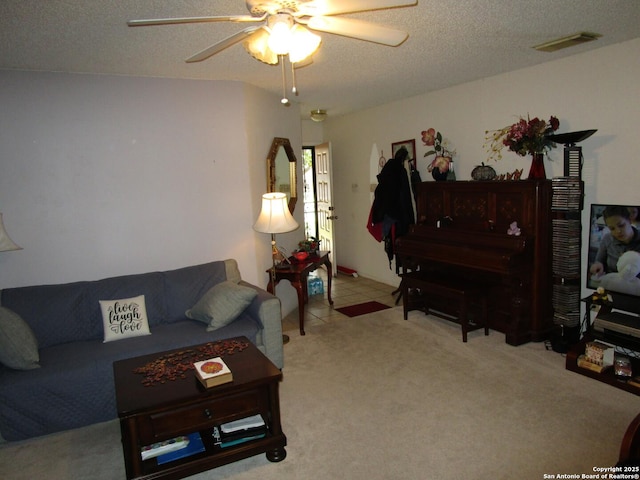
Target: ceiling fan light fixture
{"type": "Point", "coordinates": [318, 115]}
{"type": "Point", "coordinates": [303, 44]}
{"type": "Point", "coordinates": [258, 47]}
{"type": "Point", "coordinates": [281, 35]}
{"type": "Point", "coordinates": [568, 41]}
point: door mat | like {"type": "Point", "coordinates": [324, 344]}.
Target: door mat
{"type": "Point", "coordinates": [362, 308]}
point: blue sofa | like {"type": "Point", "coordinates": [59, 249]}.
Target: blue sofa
{"type": "Point", "coordinates": [73, 385]}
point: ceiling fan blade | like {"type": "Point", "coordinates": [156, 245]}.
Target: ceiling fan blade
{"type": "Point", "coordinates": [359, 29]}
{"type": "Point", "coordinates": [338, 7]}
{"type": "Point", "coordinates": [173, 21]}
{"type": "Point", "coordinates": [227, 42]}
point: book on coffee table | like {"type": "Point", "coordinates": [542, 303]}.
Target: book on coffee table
{"type": "Point", "coordinates": [194, 446]}
{"type": "Point", "coordinates": [242, 439]}
{"type": "Point", "coordinates": [243, 424]}
{"type": "Point", "coordinates": [239, 431]}
{"type": "Point", "coordinates": [160, 448]}
{"type": "Point", "coordinates": [213, 372]}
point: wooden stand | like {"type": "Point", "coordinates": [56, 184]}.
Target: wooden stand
{"type": "Point", "coordinates": [607, 376]}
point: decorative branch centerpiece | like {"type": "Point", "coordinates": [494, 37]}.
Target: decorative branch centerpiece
{"type": "Point", "coordinates": [442, 163]}
{"type": "Point", "coordinates": [310, 245]}
{"type": "Point", "coordinates": [526, 137]}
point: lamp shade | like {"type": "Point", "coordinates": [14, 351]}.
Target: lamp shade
{"type": "Point", "coordinates": [275, 216]}
{"type": "Point", "coordinates": [6, 244]}
{"type": "Point", "coordinates": [280, 33]}
{"type": "Point", "coordinates": [303, 43]}
{"type": "Point", "coordinates": [258, 47]}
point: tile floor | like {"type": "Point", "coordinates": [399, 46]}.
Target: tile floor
{"type": "Point", "coordinates": [345, 290]}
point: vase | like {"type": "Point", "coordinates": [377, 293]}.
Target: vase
{"type": "Point", "coordinates": [451, 174]}
{"type": "Point", "coordinates": [537, 167]}
{"type": "Point", "coordinates": [438, 176]}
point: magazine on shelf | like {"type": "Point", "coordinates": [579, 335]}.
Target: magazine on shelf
{"type": "Point", "coordinates": [255, 421]}
{"type": "Point", "coordinates": [240, 431]}
{"type": "Point", "coordinates": [237, 441]}
{"type": "Point", "coordinates": [194, 446]}
{"type": "Point", "coordinates": [166, 446]}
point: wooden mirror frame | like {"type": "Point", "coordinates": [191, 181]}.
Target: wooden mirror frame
{"type": "Point", "coordinates": [285, 144]}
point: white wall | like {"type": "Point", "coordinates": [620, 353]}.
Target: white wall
{"type": "Point", "coordinates": [597, 89]}
{"type": "Point", "coordinates": [106, 175]}
{"type": "Point", "coordinates": [312, 133]}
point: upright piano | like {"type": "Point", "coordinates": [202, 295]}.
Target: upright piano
{"type": "Point", "coordinates": [461, 230]}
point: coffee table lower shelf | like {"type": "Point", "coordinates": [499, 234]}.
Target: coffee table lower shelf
{"type": "Point", "coordinates": [214, 456]}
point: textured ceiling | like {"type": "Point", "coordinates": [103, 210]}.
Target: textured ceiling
{"type": "Point", "coordinates": [450, 42]}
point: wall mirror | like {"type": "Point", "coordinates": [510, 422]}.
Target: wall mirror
{"type": "Point", "coordinates": [281, 170]}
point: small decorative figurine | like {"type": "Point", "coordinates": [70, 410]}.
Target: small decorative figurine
{"type": "Point", "coordinates": [514, 229]}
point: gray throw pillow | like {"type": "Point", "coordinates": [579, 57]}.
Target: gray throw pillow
{"type": "Point", "coordinates": [222, 304]}
{"type": "Point", "coordinates": [18, 344]}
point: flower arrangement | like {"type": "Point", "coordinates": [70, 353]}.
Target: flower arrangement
{"type": "Point", "coordinates": [443, 154]}
{"type": "Point", "coordinates": [527, 136]}
{"type": "Point", "coordinates": [310, 245]}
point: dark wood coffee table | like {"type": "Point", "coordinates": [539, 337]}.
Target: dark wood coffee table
{"type": "Point", "coordinates": [150, 414]}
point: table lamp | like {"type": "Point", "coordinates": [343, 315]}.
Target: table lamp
{"type": "Point", "coordinates": [275, 217]}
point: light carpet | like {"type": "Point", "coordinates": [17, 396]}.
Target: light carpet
{"type": "Point", "coordinates": [377, 397]}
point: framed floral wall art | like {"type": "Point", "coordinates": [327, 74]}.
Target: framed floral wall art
{"type": "Point", "coordinates": [410, 145]}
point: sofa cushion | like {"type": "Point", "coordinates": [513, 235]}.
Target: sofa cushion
{"type": "Point", "coordinates": [71, 312]}
{"type": "Point", "coordinates": [75, 385]}
{"type": "Point", "coordinates": [151, 285]}
{"type": "Point", "coordinates": [222, 304]}
{"type": "Point", "coordinates": [185, 286]}
{"type": "Point", "coordinates": [232, 270]}
{"type": "Point", "coordinates": [18, 344]}
{"type": "Point", "coordinates": [55, 313]}
{"type": "Point", "coordinates": [124, 318]}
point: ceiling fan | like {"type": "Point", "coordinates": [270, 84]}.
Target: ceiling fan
{"type": "Point", "coordinates": [285, 27]}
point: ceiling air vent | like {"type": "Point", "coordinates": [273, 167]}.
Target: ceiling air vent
{"type": "Point", "coordinates": [566, 42]}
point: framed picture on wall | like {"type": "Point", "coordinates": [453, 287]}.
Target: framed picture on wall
{"type": "Point", "coordinates": [410, 145]}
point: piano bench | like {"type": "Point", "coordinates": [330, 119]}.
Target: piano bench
{"type": "Point", "coordinates": [456, 290]}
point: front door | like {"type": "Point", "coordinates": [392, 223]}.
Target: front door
{"type": "Point", "coordinates": [324, 194]}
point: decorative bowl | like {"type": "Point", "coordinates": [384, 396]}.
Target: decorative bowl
{"type": "Point", "coordinates": [301, 256]}
{"type": "Point", "coordinates": [483, 172]}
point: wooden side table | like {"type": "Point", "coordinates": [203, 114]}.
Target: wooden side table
{"type": "Point", "coordinates": [297, 274]}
